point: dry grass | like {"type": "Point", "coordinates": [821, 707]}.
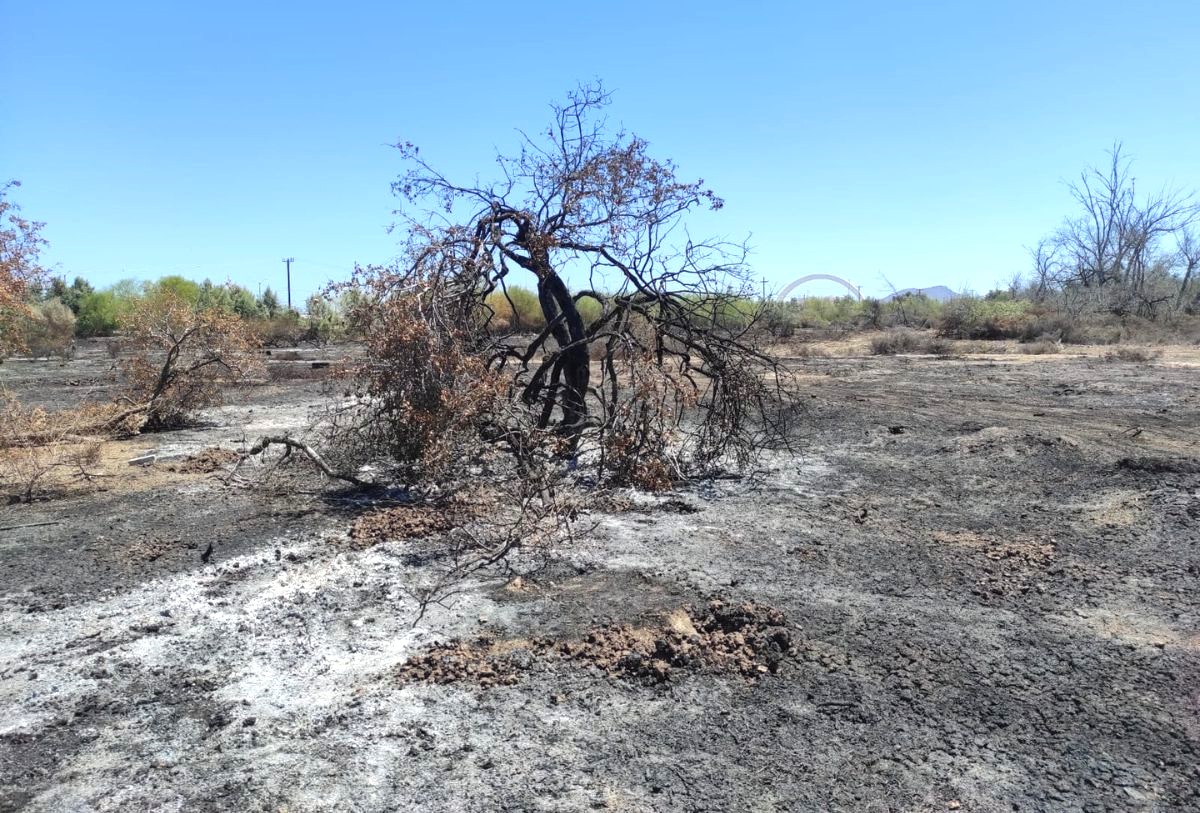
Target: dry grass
{"type": "Point", "coordinates": [46, 454]}
{"type": "Point", "coordinates": [39, 449]}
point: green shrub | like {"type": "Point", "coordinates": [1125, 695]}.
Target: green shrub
{"type": "Point", "coordinates": [99, 314]}
{"type": "Point", "coordinates": [1071, 329]}
{"type": "Point", "coordinates": [992, 319]}
{"type": "Point", "coordinates": [181, 287]}
{"type": "Point", "coordinates": [589, 309]}
{"type": "Point", "coordinates": [518, 310]}
{"type": "Point", "coordinates": [911, 310]}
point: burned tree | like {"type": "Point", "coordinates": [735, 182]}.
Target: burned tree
{"type": "Point", "coordinates": [646, 362]}
{"type": "Point", "coordinates": [1124, 251]}
{"type": "Point", "coordinates": [181, 357]}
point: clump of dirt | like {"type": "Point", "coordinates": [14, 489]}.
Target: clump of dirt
{"type": "Point", "coordinates": [399, 522]}
{"type": "Point", "coordinates": [206, 461]}
{"type": "Point", "coordinates": [1019, 552]}
{"type": "Point", "coordinates": [746, 639]}
{"type": "Point", "coordinates": [1159, 465]}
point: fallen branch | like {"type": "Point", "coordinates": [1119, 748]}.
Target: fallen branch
{"type": "Point", "coordinates": [28, 525]}
{"type": "Point", "coordinates": [265, 443]}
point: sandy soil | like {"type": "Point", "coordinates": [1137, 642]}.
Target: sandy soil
{"type": "Point", "coordinates": [989, 566]}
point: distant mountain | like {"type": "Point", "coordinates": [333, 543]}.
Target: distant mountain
{"type": "Point", "coordinates": [938, 293]}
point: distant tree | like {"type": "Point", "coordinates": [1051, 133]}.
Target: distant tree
{"type": "Point", "coordinates": [73, 296]}
{"type": "Point", "coordinates": [1122, 247]}
{"type": "Point", "coordinates": [181, 287]}
{"type": "Point", "coordinates": [214, 296]}
{"type": "Point", "coordinates": [58, 290]}
{"type": "Point", "coordinates": [269, 302]}
{"type": "Point", "coordinates": [324, 323]}
{"type": "Point", "coordinates": [1189, 260]}
{"type": "Point", "coordinates": [244, 304]}
{"type": "Point", "coordinates": [99, 314]}
{"type": "Point", "coordinates": [20, 247]}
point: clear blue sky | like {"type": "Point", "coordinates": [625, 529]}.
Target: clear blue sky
{"type": "Point", "coordinates": [924, 141]}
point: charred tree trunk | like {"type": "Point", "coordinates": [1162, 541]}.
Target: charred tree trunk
{"type": "Point", "coordinates": [572, 369]}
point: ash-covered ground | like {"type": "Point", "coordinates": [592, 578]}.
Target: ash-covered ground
{"type": "Point", "coordinates": [987, 567]}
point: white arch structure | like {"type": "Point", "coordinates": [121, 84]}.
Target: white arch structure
{"type": "Point", "coordinates": [851, 287]}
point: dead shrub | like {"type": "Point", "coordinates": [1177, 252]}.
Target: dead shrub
{"type": "Point", "coordinates": [905, 341]}
{"type": "Point", "coordinates": [806, 350]}
{"type": "Point", "coordinates": [20, 245]}
{"type": "Point", "coordinates": [1042, 348]}
{"type": "Point", "coordinates": [635, 447]}
{"type": "Point", "coordinates": [180, 358]}
{"type": "Point", "coordinates": [686, 306]}
{"type": "Point", "coordinates": [1135, 355]}
{"type": "Point", "coordinates": [37, 446]}
{"type": "Point", "coordinates": [425, 395]}
{"type": "Point", "coordinates": [1067, 329]}
{"type": "Point", "coordinates": [48, 329]}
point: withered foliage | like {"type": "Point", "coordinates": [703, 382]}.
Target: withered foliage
{"type": "Point", "coordinates": [38, 446]}
{"type": "Point", "coordinates": [663, 380]}
{"type": "Point", "coordinates": [428, 391]}
{"type": "Point", "coordinates": [181, 357]}
{"type": "Point", "coordinates": [20, 244]}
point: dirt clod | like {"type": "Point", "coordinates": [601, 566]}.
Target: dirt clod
{"type": "Point", "coordinates": [399, 522]}
{"type": "Point", "coordinates": [727, 638]}
{"type": "Point", "coordinates": [205, 462]}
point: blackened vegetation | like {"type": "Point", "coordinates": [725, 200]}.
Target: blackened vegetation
{"type": "Point", "coordinates": [648, 370]}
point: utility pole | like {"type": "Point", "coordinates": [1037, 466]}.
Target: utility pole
{"type": "Point", "coordinates": [288, 262]}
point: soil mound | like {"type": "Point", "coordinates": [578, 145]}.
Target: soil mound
{"type": "Point", "coordinates": [399, 522]}
{"type": "Point", "coordinates": [746, 639]}
{"type": "Point", "coordinates": [206, 461]}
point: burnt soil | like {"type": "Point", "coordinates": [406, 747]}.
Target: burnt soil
{"type": "Point", "coordinates": [975, 589]}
